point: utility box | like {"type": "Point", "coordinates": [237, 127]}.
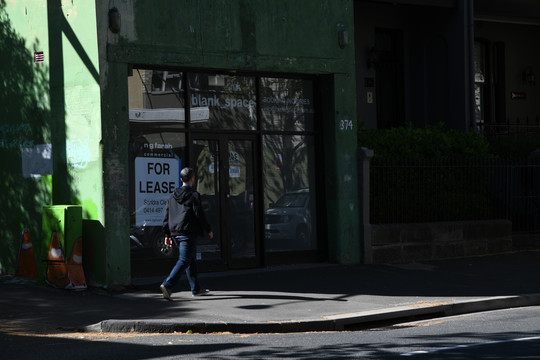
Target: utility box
{"type": "Point", "coordinates": [66, 221]}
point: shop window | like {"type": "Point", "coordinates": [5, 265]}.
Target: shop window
{"type": "Point", "coordinates": [289, 193]}
{"type": "Point", "coordinates": [269, 113]}
{"type": "Point", "coordinates": [229, 100]}
{"type": "Point", "coordinates": [157, 96]}
{"type": "Point", "coordinates": [156, 157]}
{"type": "Point", "coordinates": [287, 104]}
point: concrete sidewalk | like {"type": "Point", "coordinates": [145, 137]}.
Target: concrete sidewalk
{"type": "Point", "coordinates": [320, 297]}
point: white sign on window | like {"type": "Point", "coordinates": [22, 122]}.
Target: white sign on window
{"type": "Point", "coordinates": [234, 171]}
{"type": "Point", "coordinates": [155, 180]}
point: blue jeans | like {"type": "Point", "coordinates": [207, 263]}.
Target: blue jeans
{"type": "Point", "coordinates": [187, 260]}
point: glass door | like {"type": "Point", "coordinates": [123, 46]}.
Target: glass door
{"type": "Point", "coordinates": [240, 201]}
{"type": "Point", "coordinates": [205, 161]}
{"type": "Point", "coordinates": [227, 184]}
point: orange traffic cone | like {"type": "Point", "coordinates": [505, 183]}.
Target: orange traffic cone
{"type": "Point", "coordinates": [26, 262]}
{"type": "Point", "coordinates": [77, 281]}
{"type": "Point", "coordinates": [56, 267]}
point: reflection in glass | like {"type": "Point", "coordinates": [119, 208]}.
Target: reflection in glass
{"type": "Point", "coordinates": [230, 101]}
{"type": "Point", "coordinates": [166, 82]}
{"type": "Point", "coordinates": [287, 104]}
{"type": "Point", "coordinates": [156, 96]}
{"type": "Point", "coordinates": [240, 199]}
{"type": "Point", "coordinates": [289, 193]}
{"type": "Point", "coordinates": [207, 169]}
{"type": "Point", "coordinates": [479, 82]}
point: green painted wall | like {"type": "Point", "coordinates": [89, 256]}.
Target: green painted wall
{"type": "Point", "coordinates": [285, 36]}
{"type": "Point", "coordinates": [24, 122]}
{"type": "Point", "coordinates": [75, 103]}
{"type": "Point", "coordinates": [56, 104]}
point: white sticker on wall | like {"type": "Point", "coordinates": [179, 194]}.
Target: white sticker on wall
{"type": "Point", "coordinates": [37, 161]}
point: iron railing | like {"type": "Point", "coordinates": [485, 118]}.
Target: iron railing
{"type": "Point", "coordinates": [408, 191]}
{"type": "Point", "coordinates": [518, 128]}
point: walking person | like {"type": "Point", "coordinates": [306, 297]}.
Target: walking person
{"type": "Point", "coordinates": [184, 221]}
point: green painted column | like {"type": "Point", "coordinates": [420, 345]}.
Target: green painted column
{"type": "Point", "coordinates": [341, 168]}
{"type": "Point", "coordinates": [115, 128]}
{"type": "Point", "coordinates": [76, 124]}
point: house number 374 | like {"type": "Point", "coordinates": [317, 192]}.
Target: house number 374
{"type": "Point", "coordinates": [345, 125]}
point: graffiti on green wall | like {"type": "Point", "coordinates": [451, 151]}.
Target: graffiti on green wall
{"type": "Point", "coordinates": [15, 136]}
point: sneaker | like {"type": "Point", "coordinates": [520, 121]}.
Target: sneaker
{"type": "Point", "coordinates": [166, 292]}
{"type": "Point", "coordinates": [202, 292]}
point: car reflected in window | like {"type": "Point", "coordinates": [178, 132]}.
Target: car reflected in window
{"type": "Point", "coordinates": [288, 222]}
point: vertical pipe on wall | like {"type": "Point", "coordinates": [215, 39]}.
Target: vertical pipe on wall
{"type": "Point", "coordinates": [470, 37]}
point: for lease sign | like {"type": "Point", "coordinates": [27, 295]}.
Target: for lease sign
{"type": "Point", "coordinates": [155, 179]}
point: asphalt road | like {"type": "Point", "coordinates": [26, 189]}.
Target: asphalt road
{"type": "Point", "coordinates": [503, 334]}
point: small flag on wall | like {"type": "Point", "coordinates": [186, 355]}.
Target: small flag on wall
{"type": "Point", "coordinates": [39, 57]}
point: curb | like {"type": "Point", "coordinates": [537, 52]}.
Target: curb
{"type": "Point", "coordinates": [340, 322]}
{"type": "Point", "coordinates": [415, 312]}
{"type": "Point", "coordinates": [172, 326]}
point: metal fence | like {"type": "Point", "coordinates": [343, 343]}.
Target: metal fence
{"type": "Point", "coordinates": [409, 191]}
{"type": "Point", "coordinates": [524, 128]}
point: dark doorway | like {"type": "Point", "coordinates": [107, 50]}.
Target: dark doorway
{"type": "Point", "coordinates": [389, 80]}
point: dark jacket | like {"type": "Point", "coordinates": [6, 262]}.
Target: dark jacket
{"type": "Point", "coordinates": [184, 214]}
